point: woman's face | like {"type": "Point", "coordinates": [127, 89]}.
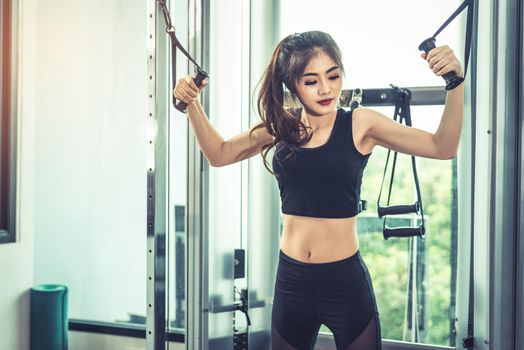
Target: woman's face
{"type": "Point", "coordinates": [320, 86]}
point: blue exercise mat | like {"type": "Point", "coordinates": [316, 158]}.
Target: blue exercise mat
{"type": "Point", "coordinates": [49, 323]}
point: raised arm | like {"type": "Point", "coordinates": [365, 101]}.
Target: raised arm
{"type": "Point", "coordinates": [443, 144]}
{"type": "Point", "coordinates": [217, 151]}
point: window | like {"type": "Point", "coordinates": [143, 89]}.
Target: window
{"type": "Point", "coordinates": [420, 307]}
{"type": "Point", "coordinates": [90, 159]}
{"type": "Point", "coordinates": [7, 126]}
{"type": "Point", "coordinates": [379, 48]}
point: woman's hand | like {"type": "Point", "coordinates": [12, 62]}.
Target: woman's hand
{"type": "Point", "coordinates": [442, 60]}
{"type": "Point", "coordinates": [186, 89]}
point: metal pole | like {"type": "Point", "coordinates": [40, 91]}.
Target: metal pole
{"type": "Point", "coordinates": [197, 300]}
{"type": "Point", "coordinates": [156, 183]}
{"type": "Point", "coordinates": [421, 96]}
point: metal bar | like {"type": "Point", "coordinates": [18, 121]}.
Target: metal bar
{"type": "Point", "coordinates": [420, 96]}
{"type": "Point", "coordinates": [198, 179]}
{"type": "Point", "coordinates": [519, 323]}
{"type": "Point", "coordinates": [504, 225]}
{"type": "Point", "coordinates": [519, 307]}
{"type": "Point", "coordinates": [156, 181]}
{"type": "Point", "coordinates": [483, 172]}
{"type": "Point", "coordinates": [13, 120]}
{"type": "Point", "coordinates": [466, 198]}
{"type": "Point", "coordinates": [150, 320]}
{"type": "Point", "coordinates": [9, 119]}
{"type": "Point", "coordinates": [325, 341]}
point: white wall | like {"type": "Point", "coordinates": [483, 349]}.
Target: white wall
{"type": "Point", "coordinates": [16, 259]}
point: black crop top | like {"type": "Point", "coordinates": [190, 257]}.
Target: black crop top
{"type": "Point", "coordinates": [322, 181]}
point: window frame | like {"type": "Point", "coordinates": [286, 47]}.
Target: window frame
{"type": "Point", "coordinates": [8, 126]}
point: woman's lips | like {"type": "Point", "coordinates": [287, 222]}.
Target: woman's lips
{"type": "Point", "coordinates": [326, 102]}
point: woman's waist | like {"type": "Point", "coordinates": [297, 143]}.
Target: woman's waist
{"type": "Point", "coordinates": [307, 225]}
{"type": "Point", "coordinates": [317, 239]}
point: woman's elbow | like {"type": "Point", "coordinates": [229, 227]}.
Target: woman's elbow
{"type": "Point", "coordinates": [215, 163]}
{"type": "Point", "coordinates": [447, 155]}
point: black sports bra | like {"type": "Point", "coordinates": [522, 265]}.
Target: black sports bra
{"type": "Point", "coordinates": [322, 181]}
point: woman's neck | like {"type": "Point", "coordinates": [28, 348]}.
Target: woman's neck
{"type": "Point", "coordinates": [317, 121]}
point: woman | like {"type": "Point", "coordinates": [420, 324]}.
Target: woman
{"type": "Point", "coordinates": [320, 156]}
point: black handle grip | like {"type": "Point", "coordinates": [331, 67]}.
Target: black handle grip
{"type": "Point", "coordinates": [404, 232]}
{"type": "Point", "coordinates": [398, 209]}
{"type": "Point", "coordinates": [451, 78]}
{"type": "Point", "coordinates": [200, 76]}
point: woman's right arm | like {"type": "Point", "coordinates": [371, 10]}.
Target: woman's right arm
{"type": "Point", "coordinates": [217, 151]}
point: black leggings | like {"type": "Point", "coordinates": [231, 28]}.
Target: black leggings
{"type": "Point", "coordinates": [337, 294]}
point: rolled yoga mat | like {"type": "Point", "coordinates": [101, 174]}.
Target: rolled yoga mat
{"type": "Point", "coordinates": [49, 323]}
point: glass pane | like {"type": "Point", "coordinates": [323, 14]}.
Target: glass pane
{"type": "Point", "coordinates": [379, 39]}
{"type": "Point", "coordinates": [8, 127]}
{"type": "Point", "coordinates": [90, 158]}
{"type": "Point", "coordinates": [225, 191]}
{"type": "Point", "coordinates": [373, 58]}
{"type": "Point", "coordinates": [388, 261]}
{"type": "Point", "coordinates": [177, 175]}
{"type": "Point", "coordinates": [433, 297]}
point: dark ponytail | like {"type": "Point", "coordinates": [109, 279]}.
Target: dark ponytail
{"type": "Point", "coordinates": [287, 64]}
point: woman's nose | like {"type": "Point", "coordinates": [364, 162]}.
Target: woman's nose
{"type": "Point", "coordinates": [324, 88]}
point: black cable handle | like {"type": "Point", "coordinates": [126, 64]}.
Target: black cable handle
{"type": "Point", "coordinates": [402, 110]}
{"type": "Point", "coordinates": [451, 78]}
{"type": "Point", "coordinates": [175, 43]}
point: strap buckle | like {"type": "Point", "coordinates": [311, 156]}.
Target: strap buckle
{"type": "Point", "coordinates": [468, 342]}
{"type": "Point", "coordinates": [362, 205]}
{"type": "Point", "coordinates": [356, 99]}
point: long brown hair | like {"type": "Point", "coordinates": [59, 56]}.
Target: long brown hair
{"type": "Point", "coordinates": [287, 65]}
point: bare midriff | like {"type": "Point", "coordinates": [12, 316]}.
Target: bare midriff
{"type": "Point", "coordinates": [318, 240]}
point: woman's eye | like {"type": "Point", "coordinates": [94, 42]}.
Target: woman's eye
{"type": "Point", "coordinates": [335, 77]}
{"type": "Point", "coordinates": [309, 82]}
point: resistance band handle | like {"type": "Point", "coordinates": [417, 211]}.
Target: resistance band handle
{"type": "Point", "coordinates": [451, 78]}
{"type": "Point", "coordinates": [404, 232]}
{"type": "Point", "coordinates": [200, 76]}
{"type": "Point", "coordinates": [398, 209]}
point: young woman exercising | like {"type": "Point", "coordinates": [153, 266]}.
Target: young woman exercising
{"type": "Point", "coordinates": [319, 159]}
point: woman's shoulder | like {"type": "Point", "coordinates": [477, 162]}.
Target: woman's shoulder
{"type": "Point", "coordinates": [361, 115]}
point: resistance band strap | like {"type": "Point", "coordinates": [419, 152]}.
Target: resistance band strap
{"type": "Point", "coordinates": [175, 43]}
{"type": "Point", "coordinates": [469, 29]}
{"type": "Point", "coordinates": [401, 110]}
{"type": "Point", "coordinates": [171, 31]}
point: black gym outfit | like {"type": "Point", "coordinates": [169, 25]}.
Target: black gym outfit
{"type": "Point", "coordinates": [324, 181]}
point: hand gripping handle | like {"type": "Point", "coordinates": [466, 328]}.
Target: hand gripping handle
{"type": "Point", "coordinates": [200, 76]}
{"type": "Point", "coordinates": [451, 78]}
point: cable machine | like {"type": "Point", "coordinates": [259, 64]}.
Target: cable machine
{"type": "Point", "coordinates": [401, 98]}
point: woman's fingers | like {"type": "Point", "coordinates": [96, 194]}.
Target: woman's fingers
{"type": "Point", "coordinates": [186, 90]}
{"type": "Point", "coordinates": [191, 83]}
{"type": "Point", "coordinates": [203, 84]}
{"type": "Point", "coordinates": [442, 60]}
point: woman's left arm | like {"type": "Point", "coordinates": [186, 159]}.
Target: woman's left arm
{"type": "Point", "coordinates": [443, 144]}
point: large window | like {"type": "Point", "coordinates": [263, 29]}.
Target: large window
{"type": "Point", "coordinates": [90, 162]}
{"type": "Point", "coordinates": [90, 158]}
{"type": "Point", "coordinates": [7, 124]}
{"type": "Point", "coordinates": [419, 306]}
{"type": "Point", "coordinates": [379, 47]}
